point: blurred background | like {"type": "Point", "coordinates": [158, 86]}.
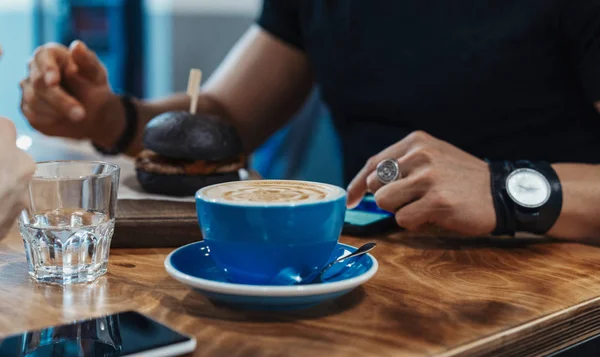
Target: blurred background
{"type": "Point", "coordinates": [148, 47]}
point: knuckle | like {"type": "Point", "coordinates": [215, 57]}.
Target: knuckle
{"type": "Point", "coordinates": [46, 55]}
{"type": "Point", "coordinates": [400, 221]}
{"type": "Point", "coordinates": [372, 163]}
{"type": "Point", "coordinates": [25, 109]}
{"type": "Point", "coordinates": [54, 46]}
{"type": "Point", "coordinates": [38, 52]}
{"type": "Point", "coordinates": [39, 56]}
{"type": "Point", "coordinates": [383, 200]}
{"type": "Point", "coordinates": [404, 222]}
{"type": "Point", "coordinates": [418, 136]}
{"type": "Point", "coordinates": [371, 186]}
{"type": "Point", "coordinates": [441, 201]}
{"type": "Point", "coordinates": [49, 48]}
{"type": "Point", "coordinates": [27, 95]}
{"type": "Point", "coordinates": [427, 178]}
{"type": "Point", "coordinates": [424, 154]}
{"type": "Point", "coordinates": [37, 79]}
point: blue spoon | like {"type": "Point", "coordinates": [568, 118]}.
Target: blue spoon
{"type": "Point", "coordinates": [291, 277]}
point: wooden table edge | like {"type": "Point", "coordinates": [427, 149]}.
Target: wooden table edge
{"type": "Point", "coordinates": [538, 337]}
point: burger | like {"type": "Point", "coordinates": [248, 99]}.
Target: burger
{"type": "Point", "coordinates": [184, 152]}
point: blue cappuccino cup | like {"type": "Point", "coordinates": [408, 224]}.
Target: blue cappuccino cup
{"type": "Point", "coordinates": [257, 229]}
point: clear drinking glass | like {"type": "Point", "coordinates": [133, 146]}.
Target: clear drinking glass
{"type": "Point", "coordinates": [69, 220]}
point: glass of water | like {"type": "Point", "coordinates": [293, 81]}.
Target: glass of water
{"type": "Point", "coordinates": [69, 220]}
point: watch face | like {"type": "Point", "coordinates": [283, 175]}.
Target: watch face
{"type": "Point", "coordinates": [528, 188]}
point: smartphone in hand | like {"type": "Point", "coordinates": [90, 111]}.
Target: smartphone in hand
{"type": "Point", "coordinates": [368, 219]}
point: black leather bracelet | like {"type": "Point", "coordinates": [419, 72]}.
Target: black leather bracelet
{"type": "Point", "coordinates": [129, 132]}
{"type": "Point", "coordinates": [504, 206]}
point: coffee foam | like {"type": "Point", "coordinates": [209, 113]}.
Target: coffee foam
{"type": "Point", "coordinates": [270, 192]}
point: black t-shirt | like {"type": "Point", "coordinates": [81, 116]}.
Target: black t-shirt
{"type": "Point", "coordinates": [500, 79]}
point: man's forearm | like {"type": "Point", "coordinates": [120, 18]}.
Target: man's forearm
{"type": "Point", "coordinates": [114, 123]}
{"type": "Point", "coordinates": [580, 215]}
{"type": "Point", "coordinates": [146, 110]}
{"type": "Point", "coordinates": [259, 86]}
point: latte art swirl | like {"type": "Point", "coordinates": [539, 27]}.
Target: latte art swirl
{"type": "Point", "coordinates": [270, 192]}
{"type": "Point", "coordinates": [275, 194]}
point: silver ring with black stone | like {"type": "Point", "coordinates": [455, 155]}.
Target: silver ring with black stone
{"type": "Point", "coordinates": [388, 171]}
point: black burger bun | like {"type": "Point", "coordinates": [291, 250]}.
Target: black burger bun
{"type": "Point", "coordinates": [180, 185]}
{"type": "Point", "coordinates": [188, 136]}
{"type": "Point", "coordinates": [184, 152]}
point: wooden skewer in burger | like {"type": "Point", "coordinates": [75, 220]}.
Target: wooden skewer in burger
{"type": "Point", "coordinates": [185, 151]}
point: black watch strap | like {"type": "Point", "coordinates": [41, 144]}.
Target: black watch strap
{"type": "Point", "coordinates": [131, 124]}
{"type": "Point", "coordinates": [503, 204]}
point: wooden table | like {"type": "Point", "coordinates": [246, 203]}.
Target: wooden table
{"type": "Point", "coordinates": [431, 297]}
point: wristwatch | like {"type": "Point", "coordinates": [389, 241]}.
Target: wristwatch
{"type": "Point", "coordinates": [131, 124]}
{"type": "Point", "coordinates": [527, 196]}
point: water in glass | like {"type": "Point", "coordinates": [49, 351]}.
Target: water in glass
{"type": "Point", "coordinates": [65, 245]}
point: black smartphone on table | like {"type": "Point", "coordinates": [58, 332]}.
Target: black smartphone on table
{"type": "Point", "coordinates": [125, 334]}
{"type": "Point", "coordinates": [367, 219]}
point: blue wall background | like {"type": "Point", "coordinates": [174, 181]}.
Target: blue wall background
{"type": "Point", "coordinates": [16, 38]}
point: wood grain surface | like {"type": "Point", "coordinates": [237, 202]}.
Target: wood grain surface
{"type": "Point", "coordinates": [431, 297]}
{"type": "Point", "coordinates": [155, 224]}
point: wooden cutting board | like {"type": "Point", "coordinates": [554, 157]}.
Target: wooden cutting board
{"type": "Point", "coordinates": [155, 224]}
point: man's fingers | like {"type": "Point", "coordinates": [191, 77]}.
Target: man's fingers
{"type": "Point", "coordinates": [48, 61]}
{"type": "Point", "coordinates": [37, 121]}
{"type": "Point", "coordinates": [65, 105]}
{"type": "Point", "coordinates": [88, 63]}
{"type": "Point", "coordinates": [373, 182]}
{"type": "Point", "coordinates": [359, 185]}
{"type": "Point", "coordinates": [37, 105]}
{"type": "Point", "coordinates": [407, 164]}
{"type": "Point", "coordinates": [36, 77]}
{"type": "Point", "coordinates": [39, 109]}
{"type": "Point", "coordinates": [398, 150]}
{"type": "Point", "coordinates": [45, 78]}
{"type": "Point", "coordinates": [395, 195]}
{"type": "Point", "coordinates": [414, 215]}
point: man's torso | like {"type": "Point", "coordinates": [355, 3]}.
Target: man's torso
{"type": "Point", "coordinates": [495, 78]}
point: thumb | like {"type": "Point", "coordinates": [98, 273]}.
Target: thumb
{"type": "Point", "coordinates": [88, 63]}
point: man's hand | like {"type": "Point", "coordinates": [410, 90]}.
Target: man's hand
{"type": "Point", "coordinates": [441, 185]}
{"type": "Point", "coordinates": [16, 169]}
{"type": "Point", "coordinates": [67, 94]}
